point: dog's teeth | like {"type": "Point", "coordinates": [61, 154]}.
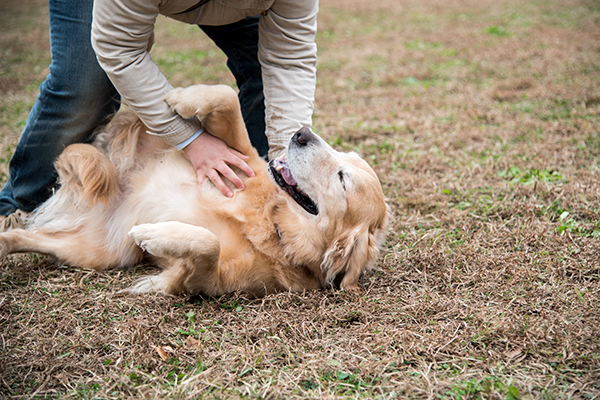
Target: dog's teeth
{"type": "Point", "coordinates": [279, 167]}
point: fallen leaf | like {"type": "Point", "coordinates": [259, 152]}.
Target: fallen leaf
{"type": "Point", "coordinates": [161, 353]}
{"type": "Point", "coordinates": [192, 343]}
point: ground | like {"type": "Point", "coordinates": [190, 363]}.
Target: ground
{"type": "Point", "coordinates": [482, 121]}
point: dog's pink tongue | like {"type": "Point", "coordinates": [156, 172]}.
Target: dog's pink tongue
{"type": "Point", "coordinates": [287, 176]}
{"type": "Point", "coordinates": [286, 173]}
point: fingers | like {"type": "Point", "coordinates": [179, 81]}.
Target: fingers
{"type": "Point", "coordinates": [223, 170]}
{"type": "Point", "coordinates": [228, 173]}
{"type": "Point", "coordinates": [237, 153]}
{"type": "Point", "coordinates": [238, 161]}
{"type": "Point", "coordinates": [218, 182]}
{"type": "Point", "coordinates": [214, 160]}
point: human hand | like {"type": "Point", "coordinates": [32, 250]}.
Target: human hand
{"type": "Point", "coordinates": [210, 156]}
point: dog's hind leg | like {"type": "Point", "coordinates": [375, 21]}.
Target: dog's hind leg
{"type": "Point", "coordinates": [71, 224]}
{"type": "Point", "coordinates": [191, 254]}
{"type": "Point", "coordinates": [22, 241]}
{"type": "Point", "coordinates": [72, 248]}
{"type": "Point", "coordinates": [84, 169]}
{"type": "Point", "coordinates": [87, 178]}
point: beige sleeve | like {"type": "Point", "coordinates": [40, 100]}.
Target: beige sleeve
{"type": "Point", "coordinates": [121, 33]}
{"type": "Point", "coordinates": [288, 55]}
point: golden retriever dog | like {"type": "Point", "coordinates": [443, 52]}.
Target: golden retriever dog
{"type": "Point", "coordinates": [312, 219]}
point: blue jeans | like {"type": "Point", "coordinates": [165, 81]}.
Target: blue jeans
{"type": "Point", "coordinates": [77, 96]}
{"type": "Point", "coordinates": [73, 100]}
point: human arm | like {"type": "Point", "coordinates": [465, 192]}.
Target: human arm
{"type": "Point", "coordinates": [288, 55]}
{"type": "Point", "coordinates": [121, 34]}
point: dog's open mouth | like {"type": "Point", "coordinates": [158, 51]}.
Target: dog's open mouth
{"type": "Point", "coordinates": [281, 173]}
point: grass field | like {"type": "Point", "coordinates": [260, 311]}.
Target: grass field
{"type": "Point", "coordinates": [482, 120]}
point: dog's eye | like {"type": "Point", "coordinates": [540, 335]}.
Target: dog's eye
{"type": "Point", "coordinates": [341, 175]}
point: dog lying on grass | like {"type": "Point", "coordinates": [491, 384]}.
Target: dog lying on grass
{"type": "Point", "coordinates": [314, 218]}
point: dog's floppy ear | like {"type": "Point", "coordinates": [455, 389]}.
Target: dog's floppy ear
{"type": "Point", "coordinates": [350, 255]}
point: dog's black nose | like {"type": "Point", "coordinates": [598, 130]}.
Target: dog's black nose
{"type": "Point", "coordinates": [303, 136]}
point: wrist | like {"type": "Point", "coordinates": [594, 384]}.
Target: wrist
{"type": "Point", "coordinates": [189, 140]}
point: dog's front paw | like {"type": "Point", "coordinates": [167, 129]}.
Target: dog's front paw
{"type": "Point", "coordinates": [147, 237]}
{"type": "Point", "coordinates": [172, 239]}
{"type": "Point", "coordinates": [180, 103]}
{"type": "Point", "coordinates": [148, 284]}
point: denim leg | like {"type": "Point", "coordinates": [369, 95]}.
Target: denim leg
{"type": "Point", "coordinates": [239, 42]}
{"type": "Point", "coordinates": [73, 100]}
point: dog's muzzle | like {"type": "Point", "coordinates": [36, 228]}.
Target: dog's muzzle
{"type": "Point", "coordinates": [281, 173]}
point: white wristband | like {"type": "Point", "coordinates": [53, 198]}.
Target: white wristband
{"type": "Point", "coordinates": [189, 140]}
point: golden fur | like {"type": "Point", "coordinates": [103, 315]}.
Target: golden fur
{"type": "Point", "coordinates": [129, 195]}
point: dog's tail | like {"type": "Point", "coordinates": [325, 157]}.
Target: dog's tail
{"type": "Point", "coordinates": [87, 174]}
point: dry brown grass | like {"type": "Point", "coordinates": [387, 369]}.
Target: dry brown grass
{"type": "Point", "coordinates": [482, 119]}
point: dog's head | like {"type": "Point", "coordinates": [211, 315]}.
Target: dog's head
{"type": "Point", "coordinates": [336, 215]}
